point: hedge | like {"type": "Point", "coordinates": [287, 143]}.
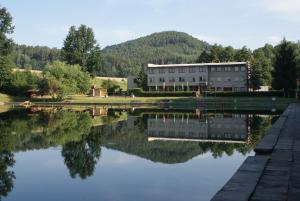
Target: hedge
{"type": "Point", "coordinates": [244, 94]}
{"type": "Point", "coordinates": [141, 93]}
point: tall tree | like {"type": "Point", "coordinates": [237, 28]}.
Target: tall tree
{"type": "Point", "coordinates": [260, 69]}
{"type": "Point", "coordinates": [6, 27]}
{"type": "Point", "coordinates": [285, 66]}
{"type": "Point", "coordinates": [80, 47]}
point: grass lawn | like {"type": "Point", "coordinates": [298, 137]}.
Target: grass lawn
{"type": "Point", "coordinates": [119, 99]}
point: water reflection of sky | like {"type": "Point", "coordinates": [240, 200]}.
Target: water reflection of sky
{"type": "Point", "coordinates": [42, 175]}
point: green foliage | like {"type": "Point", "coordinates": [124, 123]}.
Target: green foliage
{"type": "Point", "coordinates": [34, 57]}
{"type": "Point", "coordinates": [5, 71]}
{"type": "Point", "coordinates": [80, 47]}
{"type": "Point", "coordinates": [61, 79]}
{"type": "Point", "coordinates": [21, 82]}
{"type": "Point", "coordinates": [160, 48]}
{"type": "Point", "coordinates": [286, 68]}
{"type": "Point", "coordinates": [141, 93]}
{"type": "Point", "coordinates": [141, 79]}
{"type": "Point", "coordinates": [218, 53]}
{"type": "Point", "coordinates": [261, 69]}
{"type": "Point", "coordinates": [6, 27]}
{"type": "Point", "coordinates": [110, 85]}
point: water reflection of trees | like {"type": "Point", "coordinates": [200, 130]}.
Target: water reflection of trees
{"type": "Point", "coordinates": [81, 142]}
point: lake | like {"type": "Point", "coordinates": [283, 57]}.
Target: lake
{"type": "Point", "coordinates": [116, 154]}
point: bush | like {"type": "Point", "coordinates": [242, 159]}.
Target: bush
{"type": "Point", "coordinates": [245, 94]}
{"type": "Point", "coordinates": [140, 92]}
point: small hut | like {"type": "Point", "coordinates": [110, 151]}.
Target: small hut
{"type": "Point", "coordinates": [98, 92]}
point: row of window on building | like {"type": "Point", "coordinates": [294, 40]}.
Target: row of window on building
{"type": "Point", "coordinates": [194, 79]}
{"type": "Point", "coordinates": [200, 69]}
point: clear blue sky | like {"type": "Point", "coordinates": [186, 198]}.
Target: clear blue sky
{"type": "Point", "coordinates": [228, 22]}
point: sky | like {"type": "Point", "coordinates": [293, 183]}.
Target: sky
{"type": "Point", "coordinates": [227, 22]}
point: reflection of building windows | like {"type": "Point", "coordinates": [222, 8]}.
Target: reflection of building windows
{"type": "Point", "coordinates": [171, 79]}
{"type": "Point", "coordinates": [212, 69]}
{"type": "Point", "coordinates": [171, 70]}
{"type": "Point", "coordinates": [161, 79]}
{"type": "Point", "coordinates": [193, 79]}
{"type": "Point", "coordinates": [219, 79]}
{"type": "Point", "coordinates": [219, 69]}
{"type": "Point", "coordinates": [181, 79]}
{"type": "Point", "coordinates": [243, 68]}
{"type": "Point", "coordinates": [236, 69]}
{"type": "Point", "coordinates": [227, 69]}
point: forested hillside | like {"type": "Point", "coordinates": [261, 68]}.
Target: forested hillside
{"type": "Point", "coordinates": [34, 57]}
{"type": "Point", "coordinates": [125, 58]}
{"type": "Point", "coordinates": [159, 48]}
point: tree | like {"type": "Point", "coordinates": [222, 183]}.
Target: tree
{"type": "Point", "coordinates": [5, 71]}
{"type": "Point", "coordinates": [141, 79]}
{"type": "Point", "coordinates": [285, 67]}
{"type": "Point", "coordinates": [80, 47]}
{"type": "Point", "coordinates": [60, 79]}
{"type": "Point", "coordinates": [110, 85]}
{"type": "Point", "coordinates": [243, 54]}
{"type": "Point", "coordinates": [6, 27]}
{"type": "Point", "coordinates": [260, 70]}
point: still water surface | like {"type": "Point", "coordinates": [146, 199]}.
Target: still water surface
{"type": "Point", "coordinates": [99, 154]}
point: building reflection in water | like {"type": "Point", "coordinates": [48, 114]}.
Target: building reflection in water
{"type": "Point", "coordinates": [229, 128]}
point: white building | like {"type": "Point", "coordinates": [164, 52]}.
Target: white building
{"type": "Point", "coordinates": [230, 76]}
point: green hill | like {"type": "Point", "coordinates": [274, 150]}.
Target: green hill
{"type": "Point", "coordinates": [125, 58]}
{"type": "Point", "coordinates": [159, 48]}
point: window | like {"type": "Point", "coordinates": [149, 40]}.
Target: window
{"type": "Point", "coordinates": [219, 69]}
{"type": "Point", "coordinates": [212, 69]}
{"type": "Point", "coordinates": [181, 79]}
{"type": "Point", "coordinates": [171, 70]}
{"type": "Point", "coordinates": [161, 79]}
{"type": "Point", "coordinates": [161, 71]}
{"type": "Point", "coordinates": [193, 79]}
{"type": "Point", "coordinates": [236, 69]}
{"type": "Point", "coordinates": [191, 70]}
{"type": "Point", "coordinates": [202, 69]}
{"type": "Point", "coordinates": [212, 79]}
{"type": "Point", "coordinates": [181, 70]}
{"type": "Point", "coordinates": [243, 68]}
{"type": "Point", "coordinates": [219, 79]}
{"type": "Point", "coordinates": [151, 79]}
{"type": "Point", "coordinates": [200, 78]}
{"type": "Point", "coordinates": [151, 71]}
{"type": "Point", "coordinates": [236, 79]}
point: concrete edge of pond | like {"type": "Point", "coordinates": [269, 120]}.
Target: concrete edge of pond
{"type": "Point", "coordinates": [243, 183]}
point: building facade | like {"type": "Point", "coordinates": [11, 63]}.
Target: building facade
{"type": "Point", "coordinates": [230, 76]}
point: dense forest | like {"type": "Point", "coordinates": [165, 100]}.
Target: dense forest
{"type": "Point", "coordinates": [34, 57]}
{"type": "Point", "coordinates": [159, 48]}
{"type": "Point", "coordinates": [125, 58]}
